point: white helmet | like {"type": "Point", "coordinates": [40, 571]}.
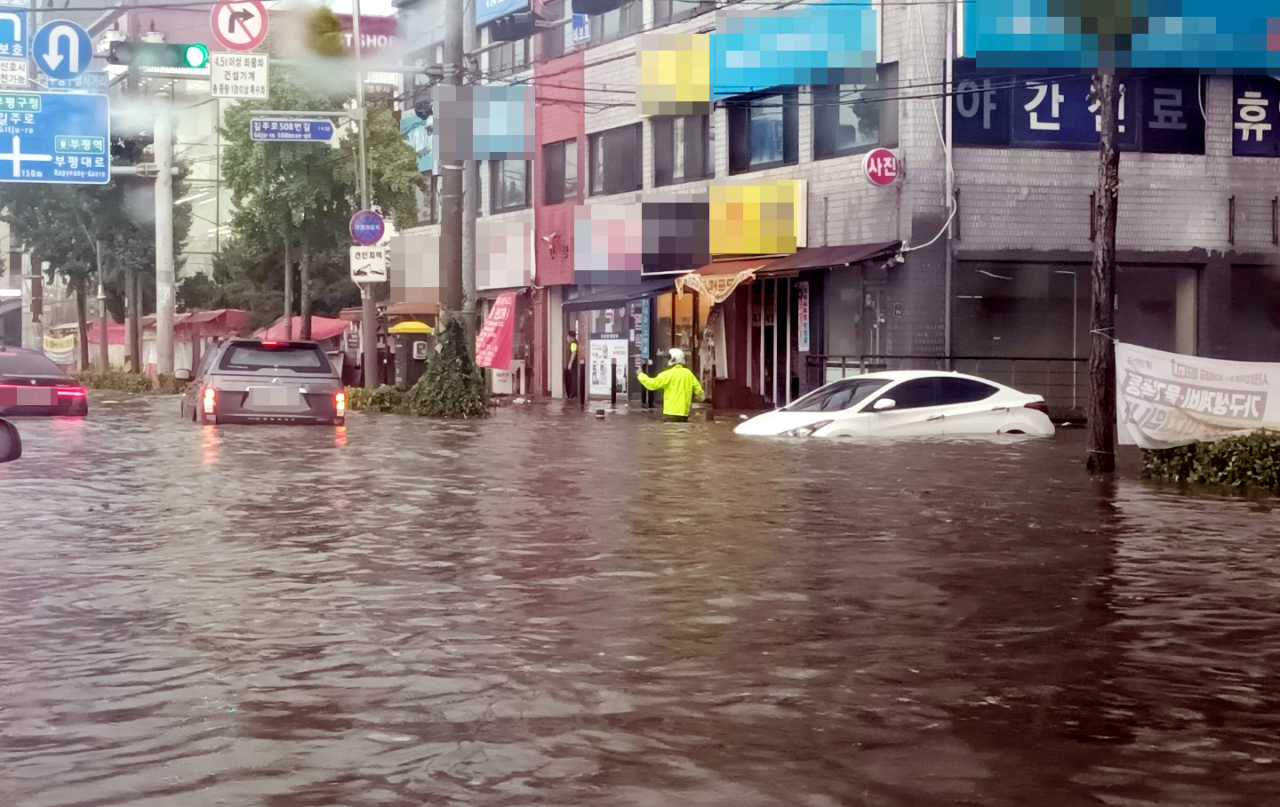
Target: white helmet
{"type": "Point", "coordinates": [677, 356]}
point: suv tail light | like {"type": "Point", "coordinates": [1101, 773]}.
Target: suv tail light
{"type": "Point", "coordinates": [1039, 406]}
{"type": "Point", "coordinates": [340, 403]}
{"type": "Point", "coordinates": [210, 400]}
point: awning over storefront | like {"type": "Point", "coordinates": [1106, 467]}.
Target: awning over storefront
{"type": "Point", "coordinates": [412, 309]}
{"type": "Point", "coordinates": [617, 296]}
{"type": "Point", "coordinates": [822, 257]}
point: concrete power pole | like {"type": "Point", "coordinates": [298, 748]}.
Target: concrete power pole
{"type": "Point", "coordinates": [1102, 354]}
{"type": "Point", "coordinates": [471, 202]}
{"type": "Point", "coordinates": [368, 305]}
{"type": "Point", "coordinates": [165, 276]}
{"type": "Point", "coordinates": [451, 172]}
{"type": "Point", "coordinates": [104, 343]}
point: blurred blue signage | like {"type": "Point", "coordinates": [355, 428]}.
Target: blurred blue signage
{"type": "Point", "coordinates": [54, 137]}
{"type": "Point", "coordinates": [417, 133]}
{"type": "Point", "coordinates": [810, 45]}
{"type": "Point", "coordinates": [488, 122]}
{"type": "Point", "coordinates": [490, 10]}
{"type": "Point", "coordinates": [1158, 114]}
{"type": "Point", "coordinates": [581, 29]}
{"type": "Point", "coordinates": [1207, 35]}
{"type": "Point", "coordinates": [290, 129]}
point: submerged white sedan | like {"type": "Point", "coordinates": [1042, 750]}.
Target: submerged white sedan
{"type": "Point", "coordinates": [906, 403]}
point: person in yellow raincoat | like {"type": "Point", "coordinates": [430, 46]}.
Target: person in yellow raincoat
{"type": "Point", "coordinates": [679, 387]}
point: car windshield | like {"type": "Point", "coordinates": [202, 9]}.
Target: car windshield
{"type": "Point", "coordinates": [837, 396]}
{"type": "Point", "coordinates": [295, 358]}
{"type": "Point", "coordinates": [15, 363]}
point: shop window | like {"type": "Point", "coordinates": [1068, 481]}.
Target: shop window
{"type": "Point", "coordinates": [666, 12]}
{"type": "Point", "coordinates": [560, 177]}
{"type": "Point", "coordinates": [1019, 309]}
{"type": "Point", "coordinates": [854, 118]}
{"type": "Point", "coordinates": [764, 131]}
{"type": "Point", "coordinates": [682, 149]}
{"type": "Point", "coordinates": [616, 24]}
{"type": "Point", "coordinates": [509, 185]}
{"type": "Point", "coordinates": [1156, 307]}
{"type": "Point", "coordinates": [616, 161]}
{"type": "Point", "coordinates": [1254, 329]}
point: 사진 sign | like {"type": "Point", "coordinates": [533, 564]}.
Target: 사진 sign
{"type": "Point", "coordinates": [1167, 399]}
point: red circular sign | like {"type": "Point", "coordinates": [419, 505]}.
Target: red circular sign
{"type": "Point", "coordinates": [880, 166]}
{"type": "Point", "coordinates": [239, 24]}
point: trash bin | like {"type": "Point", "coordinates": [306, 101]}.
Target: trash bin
{"type": "Point", "coordinates": [413, 347]}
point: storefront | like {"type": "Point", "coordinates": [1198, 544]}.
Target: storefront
{"type": "Point", "coordinates": [621, 327]}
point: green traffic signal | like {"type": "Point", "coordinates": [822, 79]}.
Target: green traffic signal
{"type": "Point", "coordinates": [158, 54]}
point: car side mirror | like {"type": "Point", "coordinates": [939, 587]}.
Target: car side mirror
{"type": "Point", "coordinates": [10, 442]}
{"type": "Point", "coordinates": [883, 404]}
{"type": "Point", "coordinates": [182, 375]}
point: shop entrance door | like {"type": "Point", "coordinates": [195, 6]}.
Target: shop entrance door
{"type": "Point", "coordinates": [873, 321]}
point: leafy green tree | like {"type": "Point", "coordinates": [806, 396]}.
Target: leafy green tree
{"type": "Point", "coordinates": [451, 386]}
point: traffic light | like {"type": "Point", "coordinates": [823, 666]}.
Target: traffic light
{"type": "Point", "coordinates": [158, 54]}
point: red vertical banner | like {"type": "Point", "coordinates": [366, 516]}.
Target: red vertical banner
{"type": "Point", "coordinates": [493, 343]}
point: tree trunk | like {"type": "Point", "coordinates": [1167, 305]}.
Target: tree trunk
{"type": "Point", "coordinates": [1102, 356]}
{"type": "Point", "coordinates": [288, 292]}
{"type": "Point", "coordinates": [304, 286]}
{"type": "Point", "coordinates": [133, 284]}
{"type": "Point", "coordinates": [82, 324]}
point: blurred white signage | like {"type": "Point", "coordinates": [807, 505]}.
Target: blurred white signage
{"type": "Point", "coordinates": [239, 75]}
{"type": "Point", "coordinates": [1167, 399]}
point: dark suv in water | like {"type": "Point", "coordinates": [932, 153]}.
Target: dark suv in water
{"type": "Point", "coordinates": [31, 384]}
{"type": "Point", "coordinates": [251, 381]}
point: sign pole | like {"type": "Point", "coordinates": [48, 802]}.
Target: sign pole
{"type": "Point", "coordinates": [1102, 356]}
{"type": "Point", "coordinates": [368, 306]}
{"type": "Point", "coordinates": [165, 277]}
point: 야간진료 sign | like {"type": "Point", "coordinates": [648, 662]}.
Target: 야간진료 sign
{"type": "Point", "coordinates": [1167, 399]}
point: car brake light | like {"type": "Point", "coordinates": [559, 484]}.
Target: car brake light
{"type": "Point", "coordinates": [270, 343]}
{"type": "Point", "coordinates": [210, 398]}
{"type": "Point", "coordinates": [340, 403]}
{"type": "Point", "coordinates": [71, 392]}
{"type": "Point", "coordinates": [1039, 406]}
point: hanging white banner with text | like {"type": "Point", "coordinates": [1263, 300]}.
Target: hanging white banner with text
{"type": "Point", "coordinates": [1167, 399]}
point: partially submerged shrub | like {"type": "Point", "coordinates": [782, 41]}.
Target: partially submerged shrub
{"type": "Point", "coordinates": [117, 381]}
{"type": "Point", "coordinates": [1249, 461]}
{"type": "Point", "coordinates": [452, 386]}
{"type": "Point", "coordinates": [385, 398]}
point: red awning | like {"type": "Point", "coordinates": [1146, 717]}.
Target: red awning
{"type": "Point", "coordinates": [322, 328]}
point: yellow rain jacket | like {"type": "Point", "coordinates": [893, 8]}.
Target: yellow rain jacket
{"type": "Point", "coordinates": [679, 386]}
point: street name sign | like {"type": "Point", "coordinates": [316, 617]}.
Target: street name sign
{"type": "Point", "coordinates": [88, 81]}
{"type": "Point", "coordinates": [307, 130]}
{"type": "Point", "coordinates": [239, 75]}
{"type": "Point", "coordinates": [369, 264]}
{"type": "Point", "coordinates": [239, 24]}
{"type": "Point", "coordinates": [367, 227]}
{"type": "Point", "coordinates": [61, 138]}
{"type": "Point", "coordinates": [62, 49]}
{"type": "Point", "coordinates": [13, 46]}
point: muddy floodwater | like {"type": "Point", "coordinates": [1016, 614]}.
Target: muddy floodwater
{"type": "Point", "coordinates": [550, 609]}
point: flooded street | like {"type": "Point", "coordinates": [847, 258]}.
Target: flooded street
{"type": "Point", "coordinates": [552, 609]}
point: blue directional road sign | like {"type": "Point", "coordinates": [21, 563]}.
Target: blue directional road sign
{"type": "Point", "coordinates": [13, 32]}
{"type": "Point", "coordinates": [62, 138]}
{"type": "Point", "coordinates": [62, 49]}
{"type": "Point", "coordinates": [88, 81]}
{"type": "Point", "coordinates": [290, 129]}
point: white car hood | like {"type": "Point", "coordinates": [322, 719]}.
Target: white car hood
{"type": "Point", "coordinates": [780, 422]}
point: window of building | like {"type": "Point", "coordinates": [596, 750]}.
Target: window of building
{"type": "Point", "coordinates": [682, 149]}
{"type": "Point", "coordinates": [509, 185]}
{"type": "Point", "coordinates": [560, 177]}
{"type": "Point", "coordinates": [509, 57]}
{"type": "Point", "coordinates": [616, 24]}
{"type": "Point", "coordinates": [669, 11]}
{"type": "Point", "coordinates": [616, 160]}
{"type": "Point", "coordinates": [852, 118]}
{"type": "Point", "coordinates": [764, 131]}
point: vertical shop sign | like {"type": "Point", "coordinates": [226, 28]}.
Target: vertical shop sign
{"type": "Point", "coordinates": [802, 315]}
{"type": "Point", "coordinates": [1256, 105]}
{"type": "Point", "coordinates": [493, 343]}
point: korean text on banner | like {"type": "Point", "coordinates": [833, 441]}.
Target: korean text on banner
{"type": "Point", "coordinates": [675, 74]}
{"type": "Point", "coordinates": [811, 45]}
{"type": "Point", "coordinates": [493, 343]}
{"type": "Point", "coordinates": [1166, 399]}
{"type": "Point", "coordinates": [60, 349]}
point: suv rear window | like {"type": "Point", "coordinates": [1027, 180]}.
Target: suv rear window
{"type": "Point", "coordinates": [15, 363]}
{"type": "Point", "coordinates": [295, 358]}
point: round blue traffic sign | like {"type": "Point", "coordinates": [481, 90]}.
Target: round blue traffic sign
{"type": "Point", "coordinates": [62, 49]}
{"type": "Point", "coordinates": [367, 228]}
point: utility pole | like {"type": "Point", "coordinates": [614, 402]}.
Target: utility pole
{"type": "Point", "coordinates": [104, 343]}
{"type": "Point", "coordinates": [368, 305]}
{"type": "Point", "coordinates": [165, 276]}
{"type": "Point", "coordinates": [288, 290]}
{"type": "Point", "coordinates": [1102, 356]}
{"type": "Point", "coordinates": [471, 205]}
{"type": "Point", "coordinates": [451, 172]}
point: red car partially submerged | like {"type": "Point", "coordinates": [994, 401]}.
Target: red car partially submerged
{"type": "Point", "coordinates": [31, 384]}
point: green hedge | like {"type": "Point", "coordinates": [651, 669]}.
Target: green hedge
{"type": "Point", "coordinates": [1251, 461]}
{"type": "Point", "coordinates": [118, 382]}
{"type": "Point", "coordinates": [385, 398]}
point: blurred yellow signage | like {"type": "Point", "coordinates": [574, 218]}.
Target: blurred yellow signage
{"type": "Point", "coordinates": [762, 218]}
{"type": "Point", "coordinates": [675, 74]}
